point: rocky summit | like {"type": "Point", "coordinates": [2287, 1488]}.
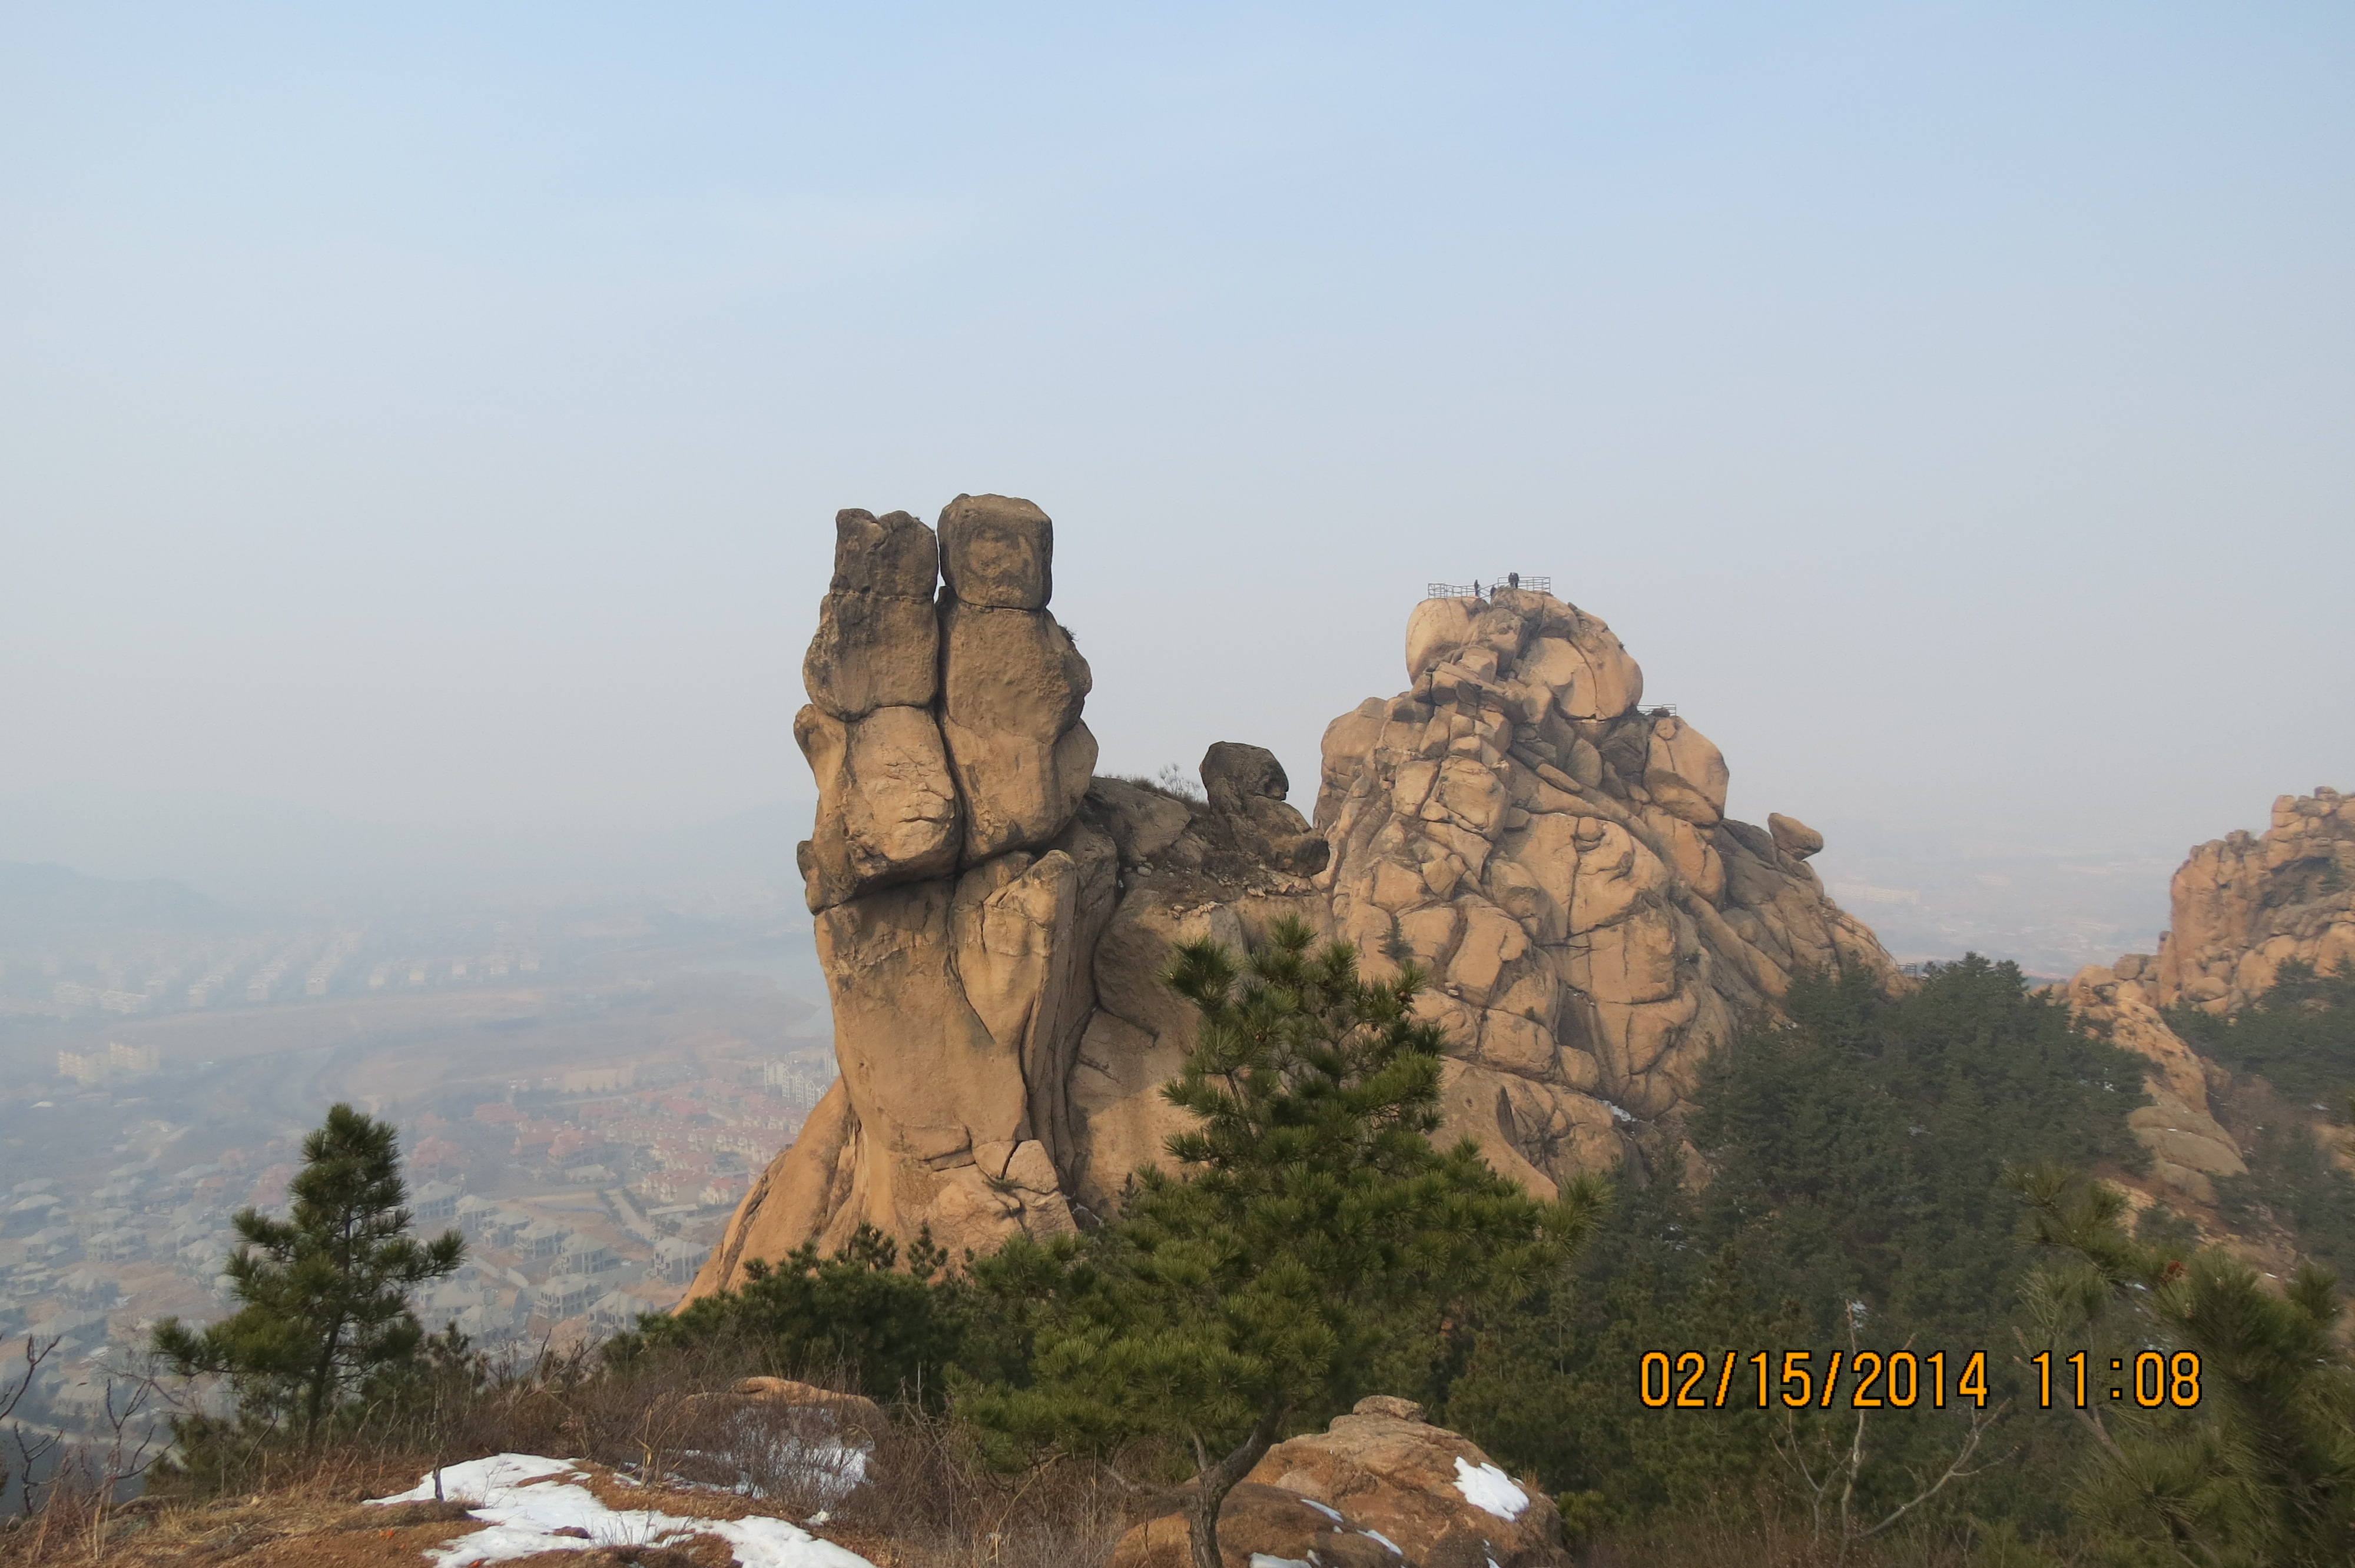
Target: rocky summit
{"type": "Point", "coordinates": [993, 919]}
{"type": "Point", "coordinates": [2240, 907]}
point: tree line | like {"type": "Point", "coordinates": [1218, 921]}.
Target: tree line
{"type": "Point", "coordinates": [1891, 1176]}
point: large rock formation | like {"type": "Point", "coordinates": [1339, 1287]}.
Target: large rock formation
{"type": "Point", "coordinates": [1559, 859]}
{"type": "Point", "coordinates": [993, 921]}
{"type": "Point", "coordinates": [2241, 907]}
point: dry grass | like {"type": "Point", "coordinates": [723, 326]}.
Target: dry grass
{"type": "Point", "coordinates": [656, 1438]}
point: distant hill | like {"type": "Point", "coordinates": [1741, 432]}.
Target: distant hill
{"type": "Point", "coordinates": [55, 895]}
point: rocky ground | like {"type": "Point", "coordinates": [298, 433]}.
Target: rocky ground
{"type": "Point", "coordinates": [1380, 1488]}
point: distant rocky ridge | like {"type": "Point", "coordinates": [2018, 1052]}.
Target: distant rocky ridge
{"type": "Point", "coordinates": [2240, 907]}
{"type": "Point", "coordinates": [993, 919]}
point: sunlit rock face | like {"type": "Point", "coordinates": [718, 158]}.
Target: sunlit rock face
{"type": "Point", "coordinates": [1558, 858]}
{"type": "Point", "coordinates": [2242, 905]}
{"type": "Point", "coordinates": [994, 921]}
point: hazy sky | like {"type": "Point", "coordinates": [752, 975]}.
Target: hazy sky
{"type": "Point", "coordinates": [435, 413]}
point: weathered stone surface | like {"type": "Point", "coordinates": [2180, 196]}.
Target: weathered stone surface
{"type": "Point", "coordinates": [2242, 905]}
{"type": "Point", "coordinates": [2187, 1144]}
{"type": "Point", "coordinates": [893, 554]}
{"type": "Point", "coordinates": [1143, 822]}
{"type": "Point", "coordinates": [1011, 670]}
{"type": "Point", "coordinates": [1422, 1496]}
{"type": "Point", "coordinates": [888, 812]}
{"type": "Point", "coordinates": [1560, 860]}
{"type": "Point", "coordinates": [2241, 908]}
{"type": "Point", "coordinates": [1793, 837]}
{"type": "Point", "coordinates": [1685, 773]}
{"type": "Point", "coordinates": [958, 901]}
{"type": "Point", "coordinates": [997, 550]}
{"type": "Point", "coordinates": [1433, 1494]}
{"type": "Point", "coordinates": [1234, 774]}
{"type": "Point", "coordinates": [1018, 791]}
{"type": "Point", "coordinates": [877, 642]}
{"type": "Point", "coordinates": [1012, 690]}
{"type": "Point", "coordinates": [1259, 1526]}
{"type": "Point", "coordinates": [1246, 785]}
{"type": "Point", "coordinates": [873, 650]}
{"type": "Point", "coordinates": [994, 922]}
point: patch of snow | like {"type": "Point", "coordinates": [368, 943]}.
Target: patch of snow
{"type": "Point", "coordinates": [1386, 1541]}
{"type": "Point", "coordinates": [1332, 1513]}
{"type": "Point", "coordinates": [1262, 1560]}
{"type": "Point", "coordinates": [1622, 1112]}
{"type": "Point", "coordinates": [527, 1498]}
{"type": "Point", "coordinates": [1489, 1489]}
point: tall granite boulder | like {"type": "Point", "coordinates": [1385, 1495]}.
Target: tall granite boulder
{"type": "Point", "coordinates": [957, 897]}
{"type": "Point", "coordinates": [994, 922]}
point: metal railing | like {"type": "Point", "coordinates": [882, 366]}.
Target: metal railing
{"type": "Point", "coordinates": [1480, 590]}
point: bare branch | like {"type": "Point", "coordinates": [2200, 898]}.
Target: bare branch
{"type": "Point", "coordinates": [1980, 1421]}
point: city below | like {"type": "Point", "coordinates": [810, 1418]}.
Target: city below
{"type": "Point", "coordinates": [583, 1092]}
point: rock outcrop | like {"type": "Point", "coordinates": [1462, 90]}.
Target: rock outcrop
{"type": "Point", "coordinates": [1559, 859]}
{"type": "Point", "coordinates": [2189, 1146]}
{"type": "Point", "coordinates": [2241, 908]}
{"type": "Point", "coordinates": [1381, 1489]}
{"type": "Point", "coordinates": [993, 920]}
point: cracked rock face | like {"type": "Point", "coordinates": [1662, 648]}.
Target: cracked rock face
{"type": "Point", "coordinates": [958, 894]}
{"type": "Point", "coordinates": [1559, 861]}
{"type": "Point", "coordinates": [994, 921]}
{"type": "Point", "coordinates": [2242, 907]}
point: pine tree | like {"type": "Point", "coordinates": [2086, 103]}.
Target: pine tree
{"type": "Point", "coordinates": [324, 1293]}
{"type": "Point", "coordinates": [2260, 1469]}
{"type": "Point", "coordinates": [1309, 1220]}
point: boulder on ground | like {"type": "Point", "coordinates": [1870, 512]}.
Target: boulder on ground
{"type": "Point", "coordinates": [1381, 1478]}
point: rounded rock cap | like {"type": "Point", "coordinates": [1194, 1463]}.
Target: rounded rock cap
{"type": "Point", "coordinates": [997, 551]}
{"type": "Point", "coordinates": [1388, 1404]}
